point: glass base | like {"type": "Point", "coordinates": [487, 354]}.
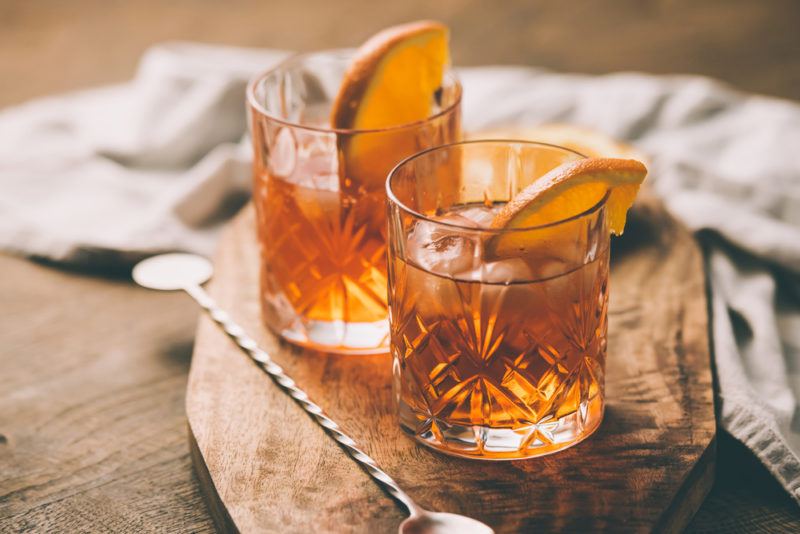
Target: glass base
{"type": "Point", "coordinates": [486, 443]}
{"type": "Point", "coordinates": [340, 337]}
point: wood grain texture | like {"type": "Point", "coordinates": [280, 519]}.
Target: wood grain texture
{"type": "Point", "coordinates": [92, 431]}
{"type": "Point", "coordinates": [648, 467]}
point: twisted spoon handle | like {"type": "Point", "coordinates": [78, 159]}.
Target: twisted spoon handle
{"type": "Point", "coordinates": [288, 385]}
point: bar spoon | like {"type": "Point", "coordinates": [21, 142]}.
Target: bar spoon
{"type": "Point", "coordinates": [187, 272]}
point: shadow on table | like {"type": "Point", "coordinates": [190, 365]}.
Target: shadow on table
{"type": "Point", "coordinates": [745, 496]}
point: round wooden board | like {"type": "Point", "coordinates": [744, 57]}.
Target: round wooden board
{"type": "Point", "coordinates": [264, 466]}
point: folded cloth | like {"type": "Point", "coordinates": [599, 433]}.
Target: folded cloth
{"type": "Point", "coordinates": [159, 163]}
{"type": "Point", "coordinates": [115, 174]}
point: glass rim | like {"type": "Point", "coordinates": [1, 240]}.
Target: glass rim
{"type": "Point", "coordinates": [394, 200]}
{"type": "Point", "coordinates": [258, 107]}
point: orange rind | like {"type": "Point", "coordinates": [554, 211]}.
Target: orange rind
{"type": "Point", "coordinates": [392, 81]}
{"type": "Point", "coordinates": [565, 192]}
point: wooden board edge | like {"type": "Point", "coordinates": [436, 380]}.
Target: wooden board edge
{"type": "Point", "coordinates": [692, 493]}
{"type": "Point", "coordinates": [698, 482]}
{"type": "Point", "coordinates": [216, 508]}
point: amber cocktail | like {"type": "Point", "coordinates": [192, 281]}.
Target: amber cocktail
{"type": "Point", "coordinates": [321, 211]}
{"type": "Point", "coordinates": [498, 335]}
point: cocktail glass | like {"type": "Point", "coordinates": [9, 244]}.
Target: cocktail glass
{"type": "Point", "coordinates": [498, 335]}
{"type": "Point", "coordinates": [320, 213]}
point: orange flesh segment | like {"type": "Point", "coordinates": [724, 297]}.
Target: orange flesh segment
{"type": "Point", "coordinates": [567, 191]}
{"type": "Point", "coordinates": [393, 78]}
{"type": "Point", "coordinates": [392, 81]}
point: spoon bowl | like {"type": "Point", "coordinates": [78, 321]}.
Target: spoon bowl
{"type": "Point", "coordinates": [425, 522]}
{"type": "Point", "coordinates": [170, 272]}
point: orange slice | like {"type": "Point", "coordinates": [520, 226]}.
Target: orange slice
{"type": "Point", "coordinates": [392, 81]}
{"type": "Point", "coordinates": [393, 77]}
{"type": "Point", "coordinates": [566, 191]}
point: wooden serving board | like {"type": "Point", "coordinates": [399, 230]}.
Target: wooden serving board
{"type": "Point", "coordinates": [265, 467]}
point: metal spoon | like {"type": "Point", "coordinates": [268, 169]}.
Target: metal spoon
{"type": "Point", "coordinates": [170, 272]}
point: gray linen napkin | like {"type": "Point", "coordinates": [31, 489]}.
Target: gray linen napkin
{"type": "Point", "coordinates": [118, 173]}
{"type": "Point", "coordinates": [157, 164]}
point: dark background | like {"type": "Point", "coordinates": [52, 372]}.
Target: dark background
{"type": "Point", "coordinates": [92, 427]}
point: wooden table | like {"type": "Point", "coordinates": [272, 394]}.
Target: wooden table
{"type": "Point", "coordinates": [92, 382]}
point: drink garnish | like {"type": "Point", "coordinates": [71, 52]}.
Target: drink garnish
{"type": "Point", "coordinates": [567, 191]}
{"type": "Point", "coordinates": [393, 80]}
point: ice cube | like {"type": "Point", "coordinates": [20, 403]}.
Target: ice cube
{"type": "Point", "coordinates": [557, 286]}
{"type": "Point", "coordinates": [441, 249]}
{"type": "Point", "coordinates": [548, 267]}
{"type": "Point", "coordinates": [326, 181]}
{"type": "Point", "coordinates": [506, 271]}
{"type": "Point", "coordinates": [480, 216]}
{"type": "Point", "coordinates": [507, 293]}
{"type": "Point", "coordinates": [499, 272]}
{"type": "Point", "coordinates": [432, 295]}
{"type": "Point", "coordinates": [306, 159]}
{"type": "Point", "coordinates": [283, 154]}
